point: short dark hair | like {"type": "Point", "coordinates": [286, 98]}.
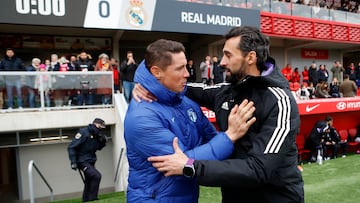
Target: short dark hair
{"type": "Point", "coordinates": [328, 118]}
{"type": "Point", "coordinates": [346, 76]}
{"type": "Point", "coordinates": [159, 52]}
{"type": "Point", "coordinates": [100, 121]}
{"type": "Point", "coordinates": [251, 39]}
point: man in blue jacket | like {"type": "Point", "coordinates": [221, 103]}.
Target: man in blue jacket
{"type": "Point", "coordinates": [151, 127]}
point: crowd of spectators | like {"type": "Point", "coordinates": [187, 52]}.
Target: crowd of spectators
{"type": "Point", "coordinates": [314, 82]}
{"type": "Point", "coordinates": [27, 88]}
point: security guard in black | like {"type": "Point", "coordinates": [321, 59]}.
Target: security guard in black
{"type": "Point", "coordinates": [82, 156]}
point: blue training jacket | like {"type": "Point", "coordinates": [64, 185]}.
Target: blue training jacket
{"type": "Point", "coordinates": [149, 131]}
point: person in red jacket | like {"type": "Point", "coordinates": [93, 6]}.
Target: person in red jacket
{"type": "Point", "coordinates": [296, 75]}
{"type": "Point", "coordinates": [287, 72]}
{"type": "Point", "coordinates": [305, 74]}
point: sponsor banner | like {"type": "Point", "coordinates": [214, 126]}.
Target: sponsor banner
{"type": "Point", "coordinates": [43, 12]}
{"type": "Point", "coordinates": [174, 16]}
{"type": "Point", "coordinates": [314, 54]}
{"type": "Point", "coordinates": [167, 16]}
{"type": "Point", "coordinates": [155, 15]}
{"type": "Point", "coordinates": [335, 105]}
{"type": "Point", "coordinates": [209, 114]}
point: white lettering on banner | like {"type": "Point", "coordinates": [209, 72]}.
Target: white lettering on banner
{"type": "Point", "coordinates": [209, 114]}
{"type": "Point", "coordinates": [353, 105]}
{"type": "Point", "coordinates": [189, 17]}
{"type": "Point", "coordinates": [348, 105]}
{"type": "Point", "coordinates": [223, 20]}
{"type": "Point", "coordinates": [198, 18]}
{"type": "Point", "coordinates": [311, 53]}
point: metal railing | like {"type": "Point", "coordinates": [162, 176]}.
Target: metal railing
{"type": "Point", "coordinates": [38, 90]}
{"type": "Point", "coordinates": [31, 182]}
{"type": "Point", "coordinates": [118, 164]}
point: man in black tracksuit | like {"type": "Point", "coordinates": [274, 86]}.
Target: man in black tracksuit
{"type": "Point", "coordinates": [263, 167]}
{"type": "Point", "coordinates": [82, 156]}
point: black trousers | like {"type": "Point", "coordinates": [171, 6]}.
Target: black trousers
{"type": "Point", "coordinates": [92, 181]}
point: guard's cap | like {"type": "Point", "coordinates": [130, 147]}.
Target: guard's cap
{"type": "Point", "coordinates": [100, 121]}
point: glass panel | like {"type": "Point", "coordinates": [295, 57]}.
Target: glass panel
{"type": "Point", "coordinates": [38, 89]}
{"type": "Point", "coordinates": [281, 7]}
{"type": "Point", "coordinates": [301, 10]}
{"type": "Point", "coordinates": [339, 16]}
{"type": "Point", "coordinates": [353, 18]}
{"type": "Point", "coordinates": [320, 13]}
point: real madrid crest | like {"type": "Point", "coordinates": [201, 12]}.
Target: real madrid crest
{"type": "Point", "coordinates": [192, 115]}
{"type": "Point", "coordinates": [136, 14]}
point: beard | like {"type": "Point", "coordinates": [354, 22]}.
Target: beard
{"type": "Point", "coordinates": [236, 76]}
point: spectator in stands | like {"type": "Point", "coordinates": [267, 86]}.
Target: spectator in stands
{"type": "Point", "coordinates": [303, 93]}
{"type": "Point", "coordinates": [191, 69]}
{"type": "Point", "coordinates": [305, 75]}
{"type": "Point", "coordinates": [218, 71]}
{"type": "Point", "coordinates": [104, 90]}
{"type": "Point", "coordinates": [323, 74]}
{"type": "Point", "coordinates": [335, 88]}
{"type": "Point", "coordinates": [84, 63]}
{"type": "Point", "coordinates": [47, 64]}
{"type": "Point", "coordinates": [311, 90]}
{"type": "Point", "coordinates": [351, 71]}
{"type": "Point", "coordinates": [287, 72]}
{"type": "Point", "coordinates": [30, 81]}
{"type": "Point", "coordinates": [73, 66]}
{"type": "Point", "coordinates": [296, 75]}
{"type": "Point", "coordinates": [348, 87]}
{"type": "Point", "coordinates": [322, 90]}
{"type": "Point", "coordinates": [127, 71]}
{"type": "Point", "coordinates": [337, 71]}
{"type": "Point", "coordinates": [12, 63]}
{"type": "Point", "coordinates": [114, 63]}
{"type": "Point", "coordinates": [54, 62]}
{"type": "Point", "coordinates": [206, 69]}
{"type": "Point", "coordinates": [313, 75]}
{"type": "Point", "coordinates": [63, 65]}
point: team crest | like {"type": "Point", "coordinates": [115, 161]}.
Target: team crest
{"type": "Point", "coordinates": [77, 136]}
{"type": "Point", "coordinates": [192, 115]}
{"type": "Point", "coordinates": [136, 14]}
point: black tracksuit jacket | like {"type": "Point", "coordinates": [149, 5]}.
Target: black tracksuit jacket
{"type": "Point", "coordinates": [263, 166]}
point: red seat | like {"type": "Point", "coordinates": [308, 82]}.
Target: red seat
{"type": "Point", "coordinates": [351, 143]}
{"type": "Point", "coordinates": [343, 134]}
{"type": "Point", "coordinates": [296, 86]}
{"type": "Point", "coordinates": [291, 85]}
{"type": "Point", "coordinates": [300, 143]}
